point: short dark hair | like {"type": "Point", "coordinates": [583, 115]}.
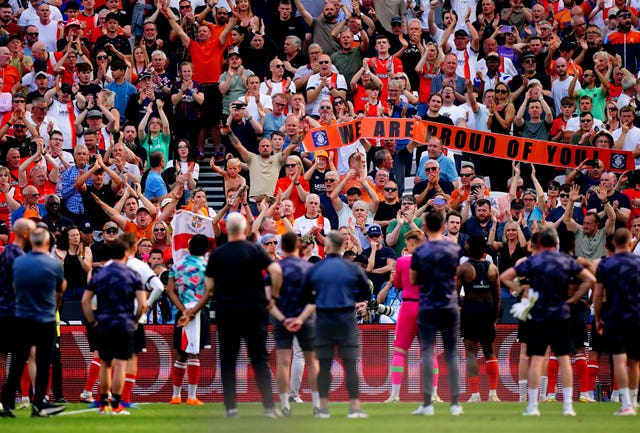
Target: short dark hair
{"type": "Point", "coordinates": [433, 221]}
{"type": "Point", "coordinates": [289, 242]}
{"type": "Point", "coordinates": [476, 247]}
{"type": "Point", "coordinates": [548, 237]}
{"type": "Point", "coordinates": [198, 245]}
{"type": "Point", "coordinates": [156, 159]}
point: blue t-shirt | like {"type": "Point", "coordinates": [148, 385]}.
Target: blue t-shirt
{"type": "Point", "coordinates": [189, 278]}
{"type": "Point", "coordinates": [37, 277]}
{"type": "Point", "coordinates": [7, 294]}
{"type": "Point", "coordinates": [620, 275]}
{"type": "Point", "coordinates": [115, 287]}
{"type": "Point", "coordinates": [290, 298]}
{"type": "Point", "coordinates": [122, 94]}
{"type": "Point", "coordinates": [549, 273]}
{"type": "Point", "coordinates": [154, 186]}
{"type": "Point", "coordinates": [436, 263]}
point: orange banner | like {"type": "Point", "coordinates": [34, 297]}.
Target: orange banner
{"type": "Point", "coordinates": [466, 140]}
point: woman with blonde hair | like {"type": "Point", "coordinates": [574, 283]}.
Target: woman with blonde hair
{"type": "Point", "coordinates": [7, 202]}
{"type": "Point", "coordinates": [245, 15]}
{"type": "Point", "coordinates": [107, 98]}
{"type": "Point", "coordinates": [351, 241]}
{"type": "Point", "coordinates": [162, 239]}
{"type": "Point", "coordinates": [427, 68]}
{"type": "Point", "coordinates": [294, 186]}
{"type": "Point", "coordinates": [139, 62]}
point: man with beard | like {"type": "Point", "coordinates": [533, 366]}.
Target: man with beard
{"type": "Point", "coordinates": [625, 42]}
{"type": "Point", "coordinates": [322, 26]}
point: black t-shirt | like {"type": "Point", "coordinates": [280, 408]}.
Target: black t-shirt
{"type": "Point", "coordinates": [237, 271]}
{"type": "Point", "coordinates": [386, 212]}
{"type": "Point", "coordinates": [438, 119]}
{"type": "Point", "coordinates": [92, 210]}
{"type": "Point", "coordinates": [89, 89]}
{"type": "Point", "coordinates": [316, 183]}
{"type": "Point", "coordinates": [25, 148]}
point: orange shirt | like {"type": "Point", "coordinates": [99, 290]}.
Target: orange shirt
{"type": "Point", "coordinates": [11, 76]}
{"type": "Point", "coordinates": [283, 183]}
{"type": "Point", "coordinates": [356, 182]}
{"type": "Point", "coordinates": [140, 232]}
{"type": "Point", "coordinates": [207, 60]}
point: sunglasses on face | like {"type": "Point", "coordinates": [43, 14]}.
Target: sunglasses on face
{"type": "Point", "coordinates": [501, 91]}
{"type": "Point", "coordinates": [159, 229]}
{"type": "Point", "coordinates": [586, 120]}
{"type": "Point", "coordinates": [326, 108]}
{"type": "Point", "coordinates": [338, 103]}
{"type": "Point", "coordinates": [278, 66]}
{"type": "Point", "coordinates": [291, 165]}
{"type": "Point", "coordinates": [111, 231]}
{"type": "Point", "coordinates": [102, 57]}
{"type": "Point", "coordinates": [270, 243]}
{"type": "Point", "coordinates": [430, 168]}
{"type": "Point", "coordinates": [323, 62]}
{"type": "Point", "coordinates": [466, 175]}
{"type": "Point", "coordinates": [554, 188]}
{"type": "Point", "coordinates": [530, 61]}
{"type": "Point", "coordinates": [33, 34]}
{"type": "Point", "coordinates": [564, 195]}
{"type": "Point", "coordinates": [390, 189]}
{"type": "Point", "coordinates": [330, 180]}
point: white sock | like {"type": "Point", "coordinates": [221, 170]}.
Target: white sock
{"type": "Point", "coordinates": [176, 391]}
{"type": "Point", "coordinates": [533, 398]}
{"type": "Point", "coordinates": [625, 396]}
{"type": "Point", "coordinates": [315, 398]}
{"type": "Point", "coordinates": [192, 391]}
{"type": "Point", "coordinates": [435, 390]}
{"type": "Point", "coordinates": [544, 382]}
{"type": "Point", "coordinates": [633, 394]}
{"type": "Point", "coordinates": [395, 390]}
{"type": "Point", "coordinates": [522, 384]}
{"type": "Point", "coordinates": [567, 394]}
{"type": "Point", "coordinates": [284, 399]}
{"type": "Point", "coordinates": [492, 392]}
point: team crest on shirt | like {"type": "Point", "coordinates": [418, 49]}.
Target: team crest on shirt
{"type": "Point", "coordinates": [320, 138]}
{"type": "Point", "coordinates": [618, 161]}
{"type": "Point", "coordinates": [197, 224]}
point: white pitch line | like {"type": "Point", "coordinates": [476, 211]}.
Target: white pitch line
{"type": "Point", "coordinates": [74, 412]}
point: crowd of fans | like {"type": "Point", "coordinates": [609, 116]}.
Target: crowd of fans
{"type": "Point", "coordinates": [107, 108]}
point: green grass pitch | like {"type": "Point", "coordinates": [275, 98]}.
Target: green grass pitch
{"type": "Point", "coordinates": [387, 418]}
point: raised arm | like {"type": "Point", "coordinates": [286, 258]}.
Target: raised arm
{"type": "Point", "coordinates": [306, 16]}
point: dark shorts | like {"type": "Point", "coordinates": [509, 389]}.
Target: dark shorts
{"type": "Point", "coordinates": [337, 328]}
{"type": "Point", "coordinates": [205, 331]}
{"type": "Point", "coordinates": [7, 339]}
{"type": "Point", "coordinates": [597, 342]}
{"type": "Point", "coordinates": [554, 333]}
{"type": "Point", "coordinates": [579, 335]}
{"type": "Point", "coordinates": [92, 335]}
{"type": "Point", "coordinates": [477, 323]}
{"type": "Point", "coordinates": [284, 338]}
{"type": "Point", "coordinates": [623, 340]}
{"type": "Point", "coordinates": [139, 340]}
{"type": "Point", "coordinates": [524, 331]}
{"type": "Point", "coordinates": [212, 105]}
{"type": "Point", "coordinates": [115, 345]}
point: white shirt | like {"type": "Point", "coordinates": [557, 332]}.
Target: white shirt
{"type": "Point", "coordinates": [631, 140]}
{"type": "Point", "coordinates": [48, 34]}
{"type": "Point", "coordinates": [313, 108]}
{"type": "Point", "coordinates": [252, 107]}
{"type": "Point", "coordinates": [302, 226]}
{"type": "Point", "coordinates": [29, 16]}
{"type": "Point", "coordinates": [560, 89]}
{"type": "Point", "coordinates": [573, 124]}
{"type": "Point", "coordinates": [509, 69]}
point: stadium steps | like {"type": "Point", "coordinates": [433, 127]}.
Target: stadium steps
{"type": "Point", "coordinates": [211, 181]}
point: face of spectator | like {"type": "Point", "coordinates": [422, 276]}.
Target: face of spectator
{"type": "Point", "coordinates": [235, 62]}
{"type": "Point", "coordinates": [312, 205]}
{"type": "Point", "coordinates": [39, 110]}
{"type": "Point", "coordinates": [291, 125]}
{"type": "Point", "coordinates": [330, 12]}
{"type": "Point", "coordinates": [627, 117]}
{"type": "Point", "coordinates": [589, 224]}
{"type": "Point", "coordinates": [112, 25]}
{"type": "Point", "coordinates": [284, 10]}
{"type": "Point", "coordinates": [608, 180]}
{"type": "Point", "coordinates": [382, 46]}
{"type": "Point", "coordinates": [346, 40]}
{"type": "Point", "coordinates": [586, 123]}
{"type": "Point", "coordinates": [330, 182]}
{"type": "Point", "coordinates": [56, 140]}
{"type": "Point", "coordinates": [204, 34]}
{"type": "Point", "coordinates": [450, 64]}
{"type": "Point", "coordinates": [488, 7]}
{"type": "Point", "coordinates": [435, 102]}
{"type": "Point", "coordinates": [265, 148]}
{"type": "Point", "coordinates": [38, 176]}
{"type": "Point", "coordinates": [483, 213]}
{"type": "Point", "coordinates": [325, 64]}
{"type": "Point", "coordinates": [535, 110]}
{"type": "Point", "coordinates": [490, 45]}
{"type": "Point", "coordinates": [5, 56]}
{"type": "Point", "coordinates": [143, 219]}
{"type": "Point", "coordinates": [257, 42]}
{"type": "Point", "coordinates": [222, 16]}
{"type": "Point", "coordinates": [461, 42]}
{"type": "Point", "coordinates": [434, 148]}
{"type": "Point", "coordinates": [466, 173]}
{"type": "Point", "coordinates": [382, 177]}
{"type": "Point", "coordinates": [561, 67]}
{"type": "Point", "coordinates": [44, 13]}
{"type": "Point", "coordinates": [453, 225]}
{"type": "Point", "coordinates": [158, 62]}
{"type": "Point", "coordinates": [279, 104]}
{"type": "Point", "coordinates": [30, 194]}
{"type": "Point", "coordinates": [624, 21]}
{"type": "Point", "coordinates": [351, 199]}
{"type": "Point", "coordinates": [390, 191]}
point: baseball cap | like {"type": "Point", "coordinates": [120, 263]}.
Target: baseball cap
{"type": "Point", "coordinates": [165, 201]}
{"type": "Point", "coordinates": [373, 230]}
{"type": "Point", "coordinates": [567, 45]}
{"type": "Point", "coordinates": [613, 12]}
{"type": "Point", "coordinates": [517, 203]}
{"type": "Point", "coordinates": [234, 51]}
{"type": "Point", "coordinates": [528, 55]}
{"type": "Point", "coordinates": [145, 75]}
{"type": "Point", "coordinates": [266, 238]}
{"type": "Point", "coordinates": [94, 113]}
{"type": "Point", "coordinates": [41, 74]}
{"type": "Point", "coordinates": [396, 20]}
{"type": "Point", "coordinates": [110, 225]}
{"type": "Point", "coordinates": [72, 23]}
{"type": "Point", "coordinates": [86, 227]}
{"type": "Point", "coordinates": [493, 56]}
{"type": "Point", "coordinates": [603, 132]}
{"type": "Point", "coordinates": [468, 164]}
{"type": "Point", "coordinates": [320, 153]}
{"type": "Point", "coordinates": [142, 209]}
{"type": "Point", "coordinates": [32, 214]}
{"type": "Point", "coordinates": [461, 33]}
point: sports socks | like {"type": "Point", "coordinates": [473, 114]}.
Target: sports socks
{"type": "Point", "coordinates": [193, 369]}
{"type": "Point", "coordinates": [92, 375]}
{"type": "Point", "coordinates": [492, 373]}
{"type": "Point", "coordinates": [129, 383]}
{"type": "Point", "coordinates": [177, 373]}
{"type": "Point", "coordinates": [580, 365]}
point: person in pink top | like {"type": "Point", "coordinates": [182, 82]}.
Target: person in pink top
{"type": "Point", "coordinates": [407, 325]}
